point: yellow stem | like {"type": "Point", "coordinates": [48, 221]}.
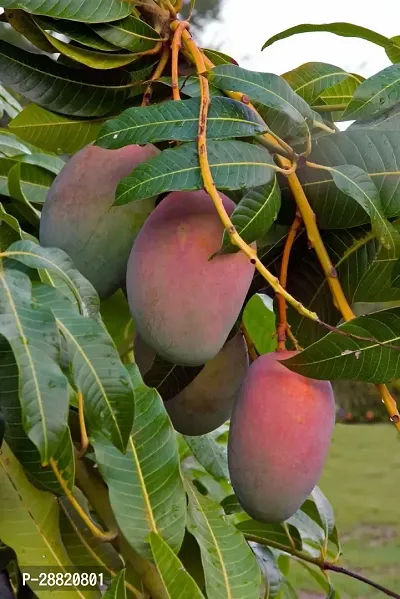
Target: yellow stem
{"type": "Point", "coordinates": [82, 426]}
{"type": "Point", "coordinates": [211, 189]}
{"type": "Point", "coordinates": [157, 74]}
{"type": "Point", "coordinates": [329, 107]}
{"type": "Point", "coordinates": [251, 348]}
{"type": "Point", "coordinates": [319, 125]}
{"type": "Point", "coordinates": [175, 48]}
{"type": "Point", "coordinates": [283, 325]}
{"type": "Point", "coordinates": [96, 532]}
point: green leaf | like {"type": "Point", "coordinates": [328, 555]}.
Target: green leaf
{"type": "Point", "coordinates": [259, 320]}
{"type": "Point", "coordinates": [312, 78]}
{"type": "Point", "coordinates": [16, 191]}
{"type": "Point", "coordinates": [210, 454]}
{"type": "Point", "coordinates": [117, 587]}
{"type": "Point", "coordinates": [389, 121]}
{"type": "Point", "coordinates": [70, 91]}
{"type": "Point", "coordinates": [16, 438]}
{"type": "Point", "coordinates": [337, 356]}
{"type": "Point", "coordinates": [342, 29]}
{"type": "Point", "coordinates": [179, 120]}
{"type": "Point", "coordinates": [218, 57]}
{"type": "Point", "coordinates": [11, 146]}
{"type": "Point", "coordinates": [26, 26]}
{"type": "Point", "coordinates": [29, 525]}
{"type": "Point", "coordinates": [145, 485]}
{"type": "Point", "coordinates": [322, 580]}
{"type": "Point", "coordinates": [91, 11]}
{"type": "Point", "coordinates": [130, 33]}
{"type": "Point", "coordinates": [117, 319]}
{"type": "Point", "coordinates": [230, 567]}
{"type": "Point", "coordinates": [375, 95]}
{"type": "Point", "coordinates": [269, 568]}
{"type": "Point", "coordinates": [354, 182]}
{"type": "Point", "coordinates": [97, 370]}
{"type": "Point", "coordinates": [274, 533]}
{"type": "Point", "coordinates": [34, 181]}
{"type": "Point", "coordinates": [176, 580]}
{"type": "Point", "coordinates": [364, 270]}
{"type": "Point", "coordinates": [82, 547]}
{"type": "Point", "coordinates": [392, 49]}
{"type": "Point", "coordinates": [169, 379]}
{"type": "Point", "coordinates": [254, 215]}
{"type": "Point", "coordinates": [54, 132]}
{"type": "Point", "coordinates": [61, 273]}
{"type": "Point", "coordinates": [376, 152]}
{"type": "Point", "coordinates": [340, 93]}
{"type": "Point", "coordinates": [78, 32]}
{"type": "Point", "coordinates": [189, 86]}
{"type": "Point", "coordinates": [8, 103]}
{"type": "Point", "coordinates": [50, 163]}
{"type": "Point", "coordinates": [234, 165]}
{"type": "Point", "coordinates": [33, 336]}
{"type": "Point", "coordinates": [90, 58]}
{"type": "Point", "coordinates": [284, 111]}
{"type": "Point", "coordinates": [231, 505]}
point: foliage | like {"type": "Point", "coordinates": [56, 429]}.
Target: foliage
{"type": "Point", "coordinates": [92, 473]}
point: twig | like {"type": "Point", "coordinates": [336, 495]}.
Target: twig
{"type": "Point", "coordinates": [322, 564]}
{"type": "Point", "coordinates": [283, 325]}
{"type": "Point", "coordinates": [211, 189]}
{"type": "Point", "coordinates": [329, 107]}
{"type": "Point", "coordinates": [253, 355]}
{"type": "Point", "coordinates": [175, 48]}
{"type": "Point", "coordinates": [96, 532]}
{"type": "Point", "coordinates": [157, 74]}
{"type": "Point", "coordinates": [319, 125]}
{"type": "Point", "coordinates": [82, 427]}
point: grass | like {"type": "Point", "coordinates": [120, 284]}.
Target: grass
{"type": "Point", "coordinates": [362, 481]}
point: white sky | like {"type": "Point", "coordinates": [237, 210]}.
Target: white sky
{"type": "Point", "coordinates": [247, 25]}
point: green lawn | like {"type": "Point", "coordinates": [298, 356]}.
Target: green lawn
{"type": "Point", "coordinates": [362, 481]}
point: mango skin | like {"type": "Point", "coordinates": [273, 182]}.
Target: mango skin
{"type": "Point", "coordinates": [279, 438]}
{"type": "Point", "coordinates": [183, 305]}
{"type": "Point", "coordinates": [207, 401]}
{"type": "Point", "coordinates": [78, 217]}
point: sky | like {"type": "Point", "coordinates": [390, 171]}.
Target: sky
{"type": "Point", "coordinates": [242, 32]}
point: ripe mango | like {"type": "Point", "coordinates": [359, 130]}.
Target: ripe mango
{"type": "Point", "coordinates": [279, 438]}
{"type": "Point", "coordinates": [78, 217]}
{"type": "Point", "coordinates": [207, 401]}
{"type": "Point", "coordinates": [183, 304]}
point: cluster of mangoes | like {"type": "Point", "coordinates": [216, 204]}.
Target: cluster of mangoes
{"type": "Point", "coordinates": [185, 306]}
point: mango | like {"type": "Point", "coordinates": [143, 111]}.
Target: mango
{"type": "Point", "coordinates": [184, 305]}
{"type": "Point", "coordinates": [279, 437]}
{"type": "Point", "coordinates": [207, 401]}
{"type": "Point", "coordinates": [78, 216]}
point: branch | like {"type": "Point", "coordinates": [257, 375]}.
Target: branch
{"type": "Point", "coordinates": [211, 189]}
{"type": "Point", "coordinates": [322, 564]}
{"type": "Point", "coordinates": [156, 75]}
{"type": "Point", "coordinates": [96, 532]}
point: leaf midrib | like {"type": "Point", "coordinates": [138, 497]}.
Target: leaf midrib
{"type": "Point", "coordinates": [68, 333]}
{"type": "Point", "coordinates": [31, 364]}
